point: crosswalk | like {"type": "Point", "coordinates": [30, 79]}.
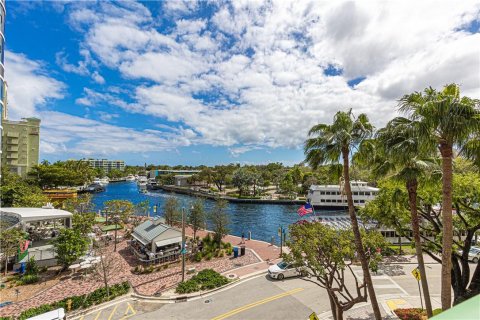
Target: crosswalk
{"type": "Point", "coordinates": [119, 311]}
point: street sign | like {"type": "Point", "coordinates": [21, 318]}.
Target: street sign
{"type": "Point", "coordinates": [416, 274]}
{"type": "Point", "coordinates": [313, 316]}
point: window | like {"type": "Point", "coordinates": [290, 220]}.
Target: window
{"type": "Point", "coordinates": [322, 200]}
{"type": "Point", "coordinates": [355, 193]}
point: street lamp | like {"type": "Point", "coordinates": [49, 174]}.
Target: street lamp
{"type": "Point", "coordinates": [184, 251]}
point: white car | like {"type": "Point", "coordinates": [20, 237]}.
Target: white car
{"type": "Point", "coordinates": [474, 254]}
{"type": "Point", "coordinates": [283, 270]}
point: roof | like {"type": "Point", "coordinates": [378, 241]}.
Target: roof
{"type": "Point", "coordinates": [465, 310]}
{"type": "Point", "coordinates": [148, 231]}
{"type": "Point", "coordinates": [354, 184]}
{"type": "Point", "coordinates": [36, 214]}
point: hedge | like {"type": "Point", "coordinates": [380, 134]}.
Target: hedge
{"type": "Point", "coordinates": [205, 280]}
{"type": "Point", "coordinates": [84, 301]}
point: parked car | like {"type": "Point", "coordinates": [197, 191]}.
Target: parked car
{"type": "Point", "coordinates": [474, 254]}
{"type": "Point", "coordinates": [283, 270]}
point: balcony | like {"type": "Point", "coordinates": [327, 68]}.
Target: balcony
{"type": "Point", "coordinates": [12, 141]}
{"type": "Point", "coordinates": [12, 155]}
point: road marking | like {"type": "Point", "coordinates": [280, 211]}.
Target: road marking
{"type": "Point", "coordinates": [98, 315]}
{"type": "Point", "coordinates": [129, 308]}
{"type": "Point", "coordinates": [254, 304]}
{"type": "Point", "coordinates": [393, 304]}
{"type": "Point", "coordinates": [113, 312]}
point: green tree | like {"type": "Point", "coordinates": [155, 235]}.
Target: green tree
{"type": "Point", "coordinates": [242, 179]}
{"type": "Point", "coordinates": [115, 174]}
{"type": "Point", "coordinates": [9, 243]}
{"type": "Point", "coordinates": [121, 208]}
{"type": "Point", "coordinates": [327, 145]}
{"type": "Point", "coordinates": [401, 158]}
{"type": "Point", "coordinates": [219, 220]}
{"type": "Point", "coordinates": [70, 245]}
{"type": "Point", "coordinates": [328, 259]}
{"type": "Point", "coordinates": [19, 192]}
{"type": "Point", "coordinates": [440, 120]}
{"type": "Point", "coordinates": [83, 222]}
{"type": "Point", "coordinates": [197, 216]}
{"type": "Point", "coordinates": [171, 211]}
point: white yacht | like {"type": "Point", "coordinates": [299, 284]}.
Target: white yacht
{"type": "Point", "coordinates": [142, 181]}
{"type": "Point", "coordinates": [334, 195]}
{"type": "Point", "coordinates": [103, 181]}
{"type": "Point", "coordinates": [130, 177]}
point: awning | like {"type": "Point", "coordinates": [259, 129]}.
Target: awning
{"type": "Point", "coordinates": [139, 239]}
{"type": "Point", "coordinates": [166, 242]}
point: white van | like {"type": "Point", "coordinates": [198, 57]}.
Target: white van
{"type": "Point", "coordinates": [58, 314]}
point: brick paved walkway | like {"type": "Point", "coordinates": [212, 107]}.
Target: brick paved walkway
{"type": "Point", "coordinates": [149, 284]}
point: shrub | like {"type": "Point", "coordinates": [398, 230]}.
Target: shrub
{"type": "Point", "coordinates": [32, 267]}
{"type": "Point", "coordinates": [205, 280]}
{"type": "Point", "coordinates": [208, 257]}
{"type": "Point", "coordinates": [29, 278]}
{"type": "Point", "coordinates": [187, 287]}
{"type": "Point", "coordinates": [229, 251]}
{"type": "Point", "coordinates": [198, 257]}
{"type": "Point", "coordinates": [410, 313]}
{"type": "Point", "coordinates": [83, 301]}
{"type": "Point", "coordinates": [221, 254]}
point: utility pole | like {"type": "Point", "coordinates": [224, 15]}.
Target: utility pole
{"type": "Point", "coordinates": [183, 244]}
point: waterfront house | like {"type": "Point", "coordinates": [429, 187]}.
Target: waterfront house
{"type": "Point", "coordinates": [155, 241]}
{"type": "Point", "coordinates": [334, 195]}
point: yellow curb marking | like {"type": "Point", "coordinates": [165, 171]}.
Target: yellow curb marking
{"type": "Point", "coordinates": [254, 304]}
{"type": "Point", "coordinates": [129, 308]}
{"type": "Point", "coordinates": [393, 304]}
{"type": "Point", "coordinates": [98, 315]}
{"type": "Point", "coordinates": [113, 312]}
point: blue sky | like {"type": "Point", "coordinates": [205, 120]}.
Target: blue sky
{"type": "Point", "coordinates": [217, 82]}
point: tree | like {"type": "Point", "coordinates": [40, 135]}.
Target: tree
{"type": "Point", "coordinates": [83, 222]}
{"type": "Point", "coordinates": [326, 145]}
{"type": "Point", "coordinates": [197, 217]}
{"type": "Point", "coordinates": [171, 211]}
{"type": "Point", "coordinates": [219, 220]}
{"type": "Point", "coordinates": [121, 208]}
{"type": "Point", "coordinates": [142, 208]}
{"type": "Point", "coordinates": [19, 192]}
{"type": "Point", "coordinates": [394, 154]}
{"type": "Point", "coordinates": [242, 179]}
{"type": "Point", "coordinates": [391, 209]}
{"type": "Point", "coordinates": [107, 268]}
{"type": "Point", "coordinates": [70, 245]}
{"type": "Point", "coordinates": [9, 243]}
{"type": "Point", "coordinates": [115, 174]}
{"type": "Point", "coordinates": [287, 186]}
{"type": "Point", "coordinates": [440, 120]}
{"type": "Point", "coordinates": [328, 259]}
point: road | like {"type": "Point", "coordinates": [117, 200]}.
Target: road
{"type": "Point", "coordinates": [263, 298]}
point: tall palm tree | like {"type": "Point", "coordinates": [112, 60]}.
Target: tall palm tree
{"type": "Point", "coordinates": [393, 153]}
{"type": "Point", "coordinates": [327, 145]}
{"type": "Point", "coordinates": [441, 120]}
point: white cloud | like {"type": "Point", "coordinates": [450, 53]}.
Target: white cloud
{"type": "Point", "coordinates": [98, 78]}
{"type": "Point", "coordinates": [253, 76]}
{"type": "Point", "coordinates": [29, 87]}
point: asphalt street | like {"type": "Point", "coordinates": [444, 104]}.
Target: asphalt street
{"type": "Point", "coordinates": [263, 298]}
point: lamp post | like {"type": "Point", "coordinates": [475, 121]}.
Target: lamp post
{"type": "Point", "coordinates": [183, 244]}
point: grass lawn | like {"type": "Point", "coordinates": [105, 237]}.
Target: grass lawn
{"type": "Point", "coordinates": [100, 219]}
{"type": "Point", "coordinates": [406, 249]}
{"type": "Point", "coordinates": [111, 227]}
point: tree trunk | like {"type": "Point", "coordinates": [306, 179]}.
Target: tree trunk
{"type": "Point", "coordinates": [447, 239]}
{"type": "Point", "coordinates": [358, 238]}
{"type": "Point", "coordinates": [412, 199]}
{"type": "Point", "coordinates": [339, 313]}
{"type": "Point", "coordinates": [333, 305]}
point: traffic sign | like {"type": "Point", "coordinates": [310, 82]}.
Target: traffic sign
{"type": "Point", "coordinates": [313, 316]}
{"type": "Point", "coordinates": [416, 274]}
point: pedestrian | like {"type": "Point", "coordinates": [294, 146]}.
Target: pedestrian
{"type": "Point", "coordinates": [243, 237]}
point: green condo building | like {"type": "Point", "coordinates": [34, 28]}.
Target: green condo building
{"type": "Point", "coordinates": [20, 144]}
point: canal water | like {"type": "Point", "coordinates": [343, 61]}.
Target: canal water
{"type": "Point", "coordinates": [263, 220]}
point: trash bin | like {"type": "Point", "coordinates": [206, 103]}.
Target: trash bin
{"type": "Point", "coordinates": [235, 252]}
{"type": "Point", "coordinates": [23, 266]}
{"type": "Point", "coordinates": [242, 250]}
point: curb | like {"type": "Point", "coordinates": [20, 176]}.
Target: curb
{"type": "Point", "coordinates": [101, 306]}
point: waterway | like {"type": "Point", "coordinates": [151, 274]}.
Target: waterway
{"type": "Point", "coordinates": [263, 220]}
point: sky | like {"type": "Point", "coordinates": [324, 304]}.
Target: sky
{"type": "Point", "coordinates": [216, 82]}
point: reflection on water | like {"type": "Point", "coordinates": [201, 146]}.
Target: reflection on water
{"type": "Point", "coordinates": [262, 220]}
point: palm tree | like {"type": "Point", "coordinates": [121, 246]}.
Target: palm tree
{"type": "Point", "coordinates": [441, 120]}
{"type": "Point", "coordinates": [327, 145]}
{"type": "Point", "coordinates": [394, 154]}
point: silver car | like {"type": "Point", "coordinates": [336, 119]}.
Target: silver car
{"type": "Point", "coordinates": [474, 254]}
{"type": "Point", "coordinates": [283, 270]}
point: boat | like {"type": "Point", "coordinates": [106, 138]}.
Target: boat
{"type": "Point", "coordinates": [103, 181]}
{"type": "Point", "coordinates": [152, 184]}
{"type": "Point", "coordinates": [142, 182]}
{"type": "Point", "coordinates": [130, 177]}
{"type": "Point", "coordinates": [334, 195]}
{"type": "Point", "coordinates": [94, 188]}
